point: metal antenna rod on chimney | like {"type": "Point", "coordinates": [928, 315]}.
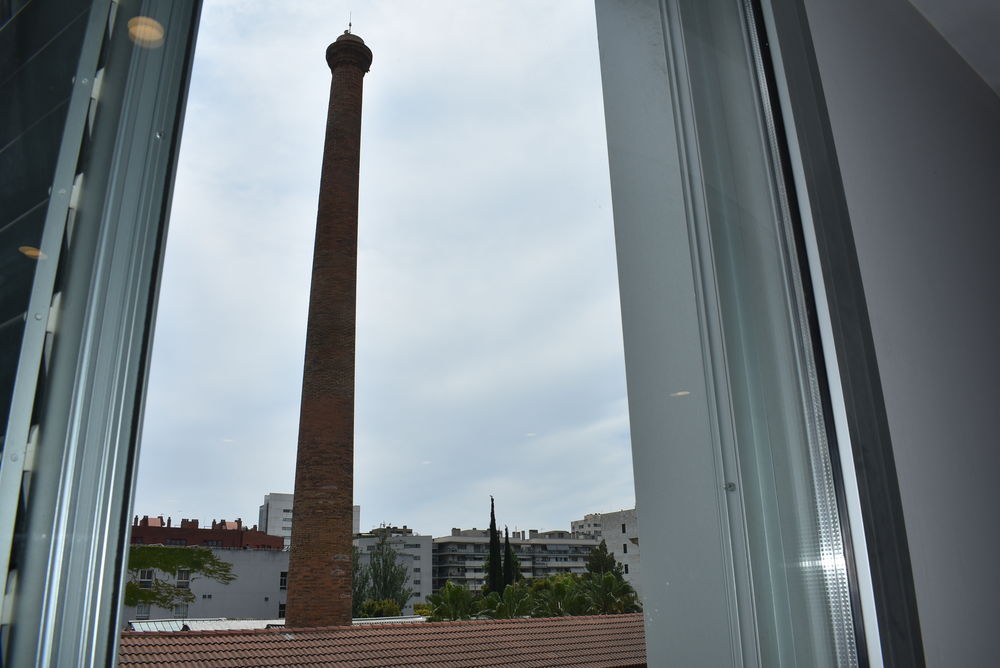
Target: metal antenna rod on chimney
{"type": "Point", "coordinates": [349, 16]}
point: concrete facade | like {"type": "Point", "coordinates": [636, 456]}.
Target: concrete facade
{"type": "Point", "coordinates": [620, 530]}
{"type": "Point", "coordinates": [258, 592]}
{"type": "Point", "coordinates": [415, 552]}
{"type": "Point", "coordinates": [591, 526]}
{"type": "Point", "coordinates": [275, 516]}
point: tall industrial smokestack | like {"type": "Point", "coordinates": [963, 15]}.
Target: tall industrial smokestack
{"type": "Point", "coordinates": [319, 573]}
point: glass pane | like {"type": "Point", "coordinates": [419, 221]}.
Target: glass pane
{"type": "Point", "coordinates": [722, 379]}
{"type": "Point", "coordinates": [798, 573]}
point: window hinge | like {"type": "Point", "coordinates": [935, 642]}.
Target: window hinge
{"type": "Point", "coordinates": [6, 611]}
{"type": "Point", "coordinates": [30, 449]}
{"type": "Point", "coordinates": [53, 320]}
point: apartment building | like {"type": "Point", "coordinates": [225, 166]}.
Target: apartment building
{"type": "Point", "coordinates": [275, 516]}
{"type": "Point", "coordinates": [590, 526]}
{"type": "Point", "coordinates": [414, 551]}
{"type": "Point", "coordinates": [620, 529]}
{"type": "Point", "coordinates": [221, 533]}
{"type": "Point", "coordinates": [460, 557]}
{"type": "Point", "coordinates": [258, 592]}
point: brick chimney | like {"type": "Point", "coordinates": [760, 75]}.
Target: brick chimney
{"type": "Point", "coordinates": [319, 572]}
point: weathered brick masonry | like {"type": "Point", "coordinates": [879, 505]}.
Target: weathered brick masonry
{"type": "Point", "coordinates": [319, 577]}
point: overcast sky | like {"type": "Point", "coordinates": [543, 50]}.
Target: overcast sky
{"type": "Point", "coordinates": [489, 353]}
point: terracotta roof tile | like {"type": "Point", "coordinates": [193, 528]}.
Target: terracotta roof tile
{"type": "Point", "coordinates": [600, 641]}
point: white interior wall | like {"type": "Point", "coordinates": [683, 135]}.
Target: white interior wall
{"type": "Point", "coordinates": [917, 133]}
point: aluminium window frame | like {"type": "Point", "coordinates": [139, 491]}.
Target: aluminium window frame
{"type": "Point", "coordinates": [886, 592]}
{"type": "Point", "coordinates": [92, 343]}
{"type": "Point", "coordinates": [886, 629]}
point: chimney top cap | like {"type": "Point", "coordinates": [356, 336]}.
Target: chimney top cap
{"type": "Point", "coordinates": [349, 49]}
{"type": "Point", "coordinates": [350, 36]}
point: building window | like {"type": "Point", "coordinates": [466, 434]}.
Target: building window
{"type": "Point", "coordinates": [416, 557]}
{"type": "Point", "coordinates": [281, 611]}
{"type": "Point", "coordinates": [623, 528]}
{"type": "Point", "coordinates": [416, 582]}
{"type": "Point", "coordinates": [416, 570]}
{"type": "Point", "coordinates": [145, 578]}
{"type": "Point", "coordinates": [176, 541]}
{"type": "Point", "coordinates": [142, 611]}
{"type": "Point", "coordinates": [624, 548]}
{"type": "Point", "coordinates": [283, 580]}
{"type": "Point", "coordinates": [183, 578]}
{"type": "Point", "coordinates": [212, 543]}
{"type": "Point", "coordinates": [181, 611]}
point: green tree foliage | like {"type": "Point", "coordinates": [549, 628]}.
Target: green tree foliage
{"type": "Point", "coordinates": [559, 596]}
{"type": "Point", "coordinates": [562, 595]}
{"type": "Point", "coordinates": [453, 602]}
{"type": "Point", "coordinates": [608, 594]}
{"type": "Point", "coordinates": [387, 577]}
{"type": "Point", "coordinates": [494, 576]}
{"type": "Point", "coordinates": [382, 608]}
{"type": "Point", "coordinates": [570, 595]}
{"type": "Point", "coordinates": [601, 561]}
{"type": "Point", "coordinates": [516, 602]}
{"type": "Point", "coordinates": [163, 559]}
{"type": "Point", "coordinates": [360, 582]}
{"type": "Point", "coordinates": [511, 567]}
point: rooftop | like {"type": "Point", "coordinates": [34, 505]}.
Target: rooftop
{"type": "Point", "coordinates": [605, 641]}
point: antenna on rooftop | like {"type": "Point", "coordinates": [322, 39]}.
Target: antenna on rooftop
{"type": "Point", "coordinates": [349, 17]}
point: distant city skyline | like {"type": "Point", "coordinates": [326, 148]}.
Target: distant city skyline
{"type": "Point", "coordinates": [489, 337]}
{"type": "Point", "coordinates": [363, 528]}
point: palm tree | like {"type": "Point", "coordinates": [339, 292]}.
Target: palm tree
{"type": "Point", "coordinates": [453, 602]}
{"type": "Point", "coordinates": [560, 596]}
{"type": "Point", "coordinates": [516, 602]}
{"type": "Point", "coordinates": [609, 595]}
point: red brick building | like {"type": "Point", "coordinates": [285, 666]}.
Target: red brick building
{"type": "Point", "coordinates": [154, 531]}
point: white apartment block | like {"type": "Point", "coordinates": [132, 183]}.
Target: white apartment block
{"type": "Point", "coordinates": [414, 552]}
{"type": "Point", "coordinates": [590, 526]}
{"type": "Point", "coordinates": [258, 592]}
{"type": "Point", "coordinates": [620, 530]}
{"type": "Point", "coordinates": [275, 516]}
{"type": "Point", "coordinates": [460, 556]}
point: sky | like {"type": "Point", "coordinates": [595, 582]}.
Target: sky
{"type": "Point", "coordinates": [489, 356]}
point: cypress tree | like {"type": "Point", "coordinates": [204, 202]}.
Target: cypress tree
{"type": "Point", "coordinates": [494, 578]}
{"type": "Point", "coordinates": [508, 560]}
